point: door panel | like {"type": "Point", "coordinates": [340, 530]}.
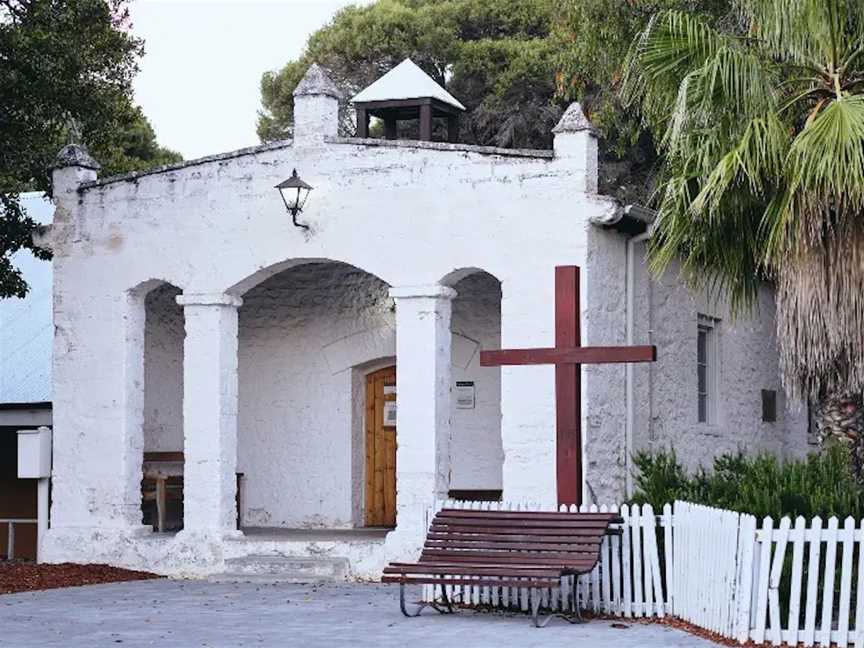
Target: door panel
{"type": "Point", "coordinates": [381, 448]}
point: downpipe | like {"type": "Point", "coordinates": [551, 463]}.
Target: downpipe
{"type": "Point", "coordinates": [630, 400]}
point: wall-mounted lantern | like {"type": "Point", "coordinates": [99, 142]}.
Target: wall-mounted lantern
{"type": "Point", "coordinates": [294, 193]}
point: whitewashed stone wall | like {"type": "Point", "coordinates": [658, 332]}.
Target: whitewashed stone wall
{"type": "Point", "coordinates": [666, 315]}
{"type": "Point", "coordinates": [417, 217]}
{"type": "Point", "coordinates": [747, 363]}
{"type": "Point", "coordinates": [411, 214]}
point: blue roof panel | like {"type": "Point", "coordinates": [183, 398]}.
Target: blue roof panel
{"type": "Point", "coordinates": [26, 325]}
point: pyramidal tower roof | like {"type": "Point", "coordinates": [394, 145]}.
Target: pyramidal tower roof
{"type": "Point", "coordinates": [406, 81]}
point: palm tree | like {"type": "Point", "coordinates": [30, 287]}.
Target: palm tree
{"type": "Point", "coordinates": [760, 119]}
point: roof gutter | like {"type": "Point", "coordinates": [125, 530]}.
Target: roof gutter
{"type": "Point", "coordinates": [628, 219]}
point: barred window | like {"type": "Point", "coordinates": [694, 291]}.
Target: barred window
{"type": "Point", "coordinates": [706, 369]}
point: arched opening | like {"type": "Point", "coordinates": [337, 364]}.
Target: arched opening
{"type": "Point", "coordinates": [308, 335]}
{"type": "Point", "coordinates": [162, 415]}
{"type": "Point", "coordinates": [476, 451]}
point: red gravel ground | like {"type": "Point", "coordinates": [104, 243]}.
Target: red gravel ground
{"type": "Point", "coordinates": [25, 577]}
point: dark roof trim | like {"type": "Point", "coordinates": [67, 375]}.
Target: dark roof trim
{"type": "Point", "coordinates": [282, 144]}
{"type": "Point", "coordinates": [230, 155]}
{"type": "Point", "coordinates": [40, 405]}
{"type": "Point", "coordinates": [543, 154]}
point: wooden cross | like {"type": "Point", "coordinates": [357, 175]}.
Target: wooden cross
{"type": "Point", "coordinates": [568, 355]}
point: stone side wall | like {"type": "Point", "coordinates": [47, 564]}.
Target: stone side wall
{"type": "Point", "coordinates": [747, 364]}
{"type": "Point", "coordinates": [665, 391]}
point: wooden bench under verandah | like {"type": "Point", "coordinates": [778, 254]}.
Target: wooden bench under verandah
{"type": "Point", "coordinates": [162, 483]}
{"type": "Point", "coordinates": [523, 549]}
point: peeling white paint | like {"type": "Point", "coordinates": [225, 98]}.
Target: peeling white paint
{"type": "Point", "coordinates": [407, 214]}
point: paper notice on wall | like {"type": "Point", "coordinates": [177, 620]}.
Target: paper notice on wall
{"type": "Point", "coordinates": [465, 394]}
{"type": "Point", "coordinates": [390, 413]}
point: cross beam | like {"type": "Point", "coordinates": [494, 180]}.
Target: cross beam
{"type": "Point", "coordinates": [573, 355]}
{"type": "Point", "coordinates": [568, 356]}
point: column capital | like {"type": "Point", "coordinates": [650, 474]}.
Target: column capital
{"type": "Point", "coordinates": [209, 299]}
{"type": "Point", "coordinates": [436, 291]}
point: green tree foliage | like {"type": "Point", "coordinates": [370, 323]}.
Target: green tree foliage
{"type": "Point", "coordinates": [593, 38]}
{"type": "Point", "coordinates": [62, 60]}
{"type": "Point", "coordinates": [822, 484]}
{"type": "Point", "coordinates": [513, 63]}
{"type": "Point", "coordinates": [761, 120]}
{"type": "Point", "coordinates": [496, 56]}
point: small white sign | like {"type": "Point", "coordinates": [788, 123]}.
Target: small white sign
{"type": "Point", "coordinates": [465, 398]}
{"type": "Point", "coordinates": [390, 413]}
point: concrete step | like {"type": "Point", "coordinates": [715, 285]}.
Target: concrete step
{"type": "Point", "coordinates": [282, 569]}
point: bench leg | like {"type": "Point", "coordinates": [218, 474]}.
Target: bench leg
{"type": "Point", "coordinates": [577, 614]}
{"type": "Point", "coordinates": [534, 596]}
{"type": "Point", "coordinates": [423, 605]}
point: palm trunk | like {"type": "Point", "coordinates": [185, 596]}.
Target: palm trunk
{"type": "Point", "coordinates": [839, 417]}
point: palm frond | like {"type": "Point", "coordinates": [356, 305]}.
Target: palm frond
{"type": "Point", "coordinates": [825, 179]}
{"type": "Point", "coordinates": [672, 45]}
{"type": "Point", "coordinates": [756, 162]}
{"type": "Point", "coordinates": [820, 33]}
{"type": "Point", "coordinates": [763, 170]}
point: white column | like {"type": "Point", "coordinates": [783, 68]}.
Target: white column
{"type": "Point", "coordinates": [210, 413]}
{"type": "Point", "coordinates": [423, 409]}
{"type": "Point", "coordinates": [132, 450]}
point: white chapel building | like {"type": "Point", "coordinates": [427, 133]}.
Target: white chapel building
{"type": "Point", "coordinates": [310, 384]}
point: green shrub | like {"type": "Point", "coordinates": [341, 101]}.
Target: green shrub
{"type": "Point", "coordinates": [822, 484]}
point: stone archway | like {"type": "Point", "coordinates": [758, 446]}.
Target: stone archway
{"type": "Point", "coordinates": [302, 332]}
{"type": "Point", "coordinates": [153, 388]}
{"type": "Point", "coordinates": [476, 449]}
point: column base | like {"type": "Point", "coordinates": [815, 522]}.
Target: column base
{"type": "Point", "coordinates": [404, 544]}
{"type": "Point", "coordinates": [209, 535]}
{"type": "Point", "coordinates": [187, 554]}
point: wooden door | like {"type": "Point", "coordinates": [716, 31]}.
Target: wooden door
{"type": "Point", "coordinates": [381, 448]}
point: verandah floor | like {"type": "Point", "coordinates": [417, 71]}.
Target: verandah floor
{"type": "Point", "coordinates": [316, 535]}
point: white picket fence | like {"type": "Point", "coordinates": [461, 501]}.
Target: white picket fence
{"type": "Point", "coordinates": [784, 584]}
{"type": "Point", "coordinates": [628, 580]}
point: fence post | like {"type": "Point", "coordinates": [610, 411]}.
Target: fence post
{"type": "Point", "coordinates": [846, 582]}
{"type": "Point", "coordinates": [746, 546]}
{"type": "Point", "coordinates": [667, 523]}
{"type": "Point", "coordinates": [830, 536]}
{"type": "Point", "coordinates": [774, 582]}
{"type": "Point", "coordinates": [812, 581]}
{"type": "Point", "coordinates": [10, 541]}
{"type": "Point", "coordinates": [798, 537]}
{"type": "Point", "coordinates": [859, 606]}
{"type": "Point", "coordinates": [764, 574]}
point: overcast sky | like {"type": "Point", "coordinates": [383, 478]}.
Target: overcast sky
{"type": "Point", "coordinates": [203, 62]}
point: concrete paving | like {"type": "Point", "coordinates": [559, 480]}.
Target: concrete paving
{"type": "Point", "coordinates": [194, 613]}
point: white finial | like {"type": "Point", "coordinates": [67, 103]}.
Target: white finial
{"type": "Point", "coordinates": [574, 120]}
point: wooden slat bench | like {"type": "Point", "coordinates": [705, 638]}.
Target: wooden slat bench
{"type": "Point", "coordinates": [529, 549]}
